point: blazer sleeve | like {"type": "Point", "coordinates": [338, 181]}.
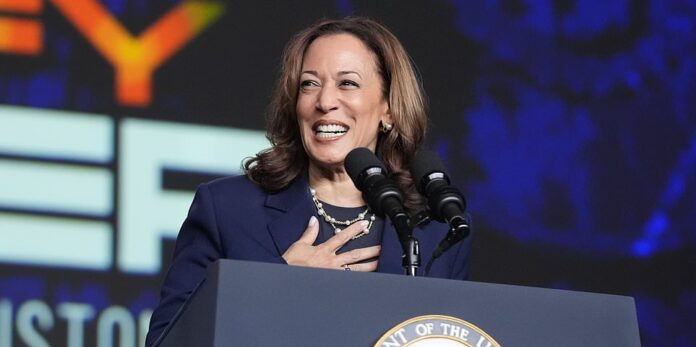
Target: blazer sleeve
{"type": "Point", "coordinates": [197, 246]}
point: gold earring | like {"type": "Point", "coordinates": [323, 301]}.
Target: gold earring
{"type": "Point", "coordinates": [385, 127]}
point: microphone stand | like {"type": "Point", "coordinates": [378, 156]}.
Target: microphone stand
{"type": "Point", "coordinates": [411, 256]}
{"type": "Point", "coordinates": [409, 244]}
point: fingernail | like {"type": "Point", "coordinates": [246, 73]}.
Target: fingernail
{"type": "Point", "coordinates": [364, 224]}
{"type": "Point", "coordinates": [312, 221]}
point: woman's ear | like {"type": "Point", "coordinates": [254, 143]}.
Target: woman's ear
{"type": "Point", "coordinates": [387, 118]}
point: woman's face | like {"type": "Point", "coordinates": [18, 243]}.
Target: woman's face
{"type": "Point", "coordinates": [340, 102]}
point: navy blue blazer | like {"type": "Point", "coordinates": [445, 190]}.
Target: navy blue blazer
{"type": "Point", "coordinates": [234, 218]}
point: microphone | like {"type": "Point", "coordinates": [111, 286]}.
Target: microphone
{"type": "Point", "coordinates": [370, 177]}
{"type": "Point", "coordinates": [445, 203]}
{"type": "Point", "coordinates": [385, 198]}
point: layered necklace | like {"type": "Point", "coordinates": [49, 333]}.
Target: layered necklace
{"type": "Point", "coordinates": [339, 225]}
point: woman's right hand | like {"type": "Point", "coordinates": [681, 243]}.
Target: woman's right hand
{"type": "Point", "coordinates": [304, 253]}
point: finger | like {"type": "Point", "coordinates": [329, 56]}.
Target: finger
{"type": "Point", "coordinates": [358, 254]}
{"type": "Point", "coordinates": [337, 241]}
{"type": "Point", "coordinates": [310, 234]}
{"type": "Point", "coordinates": [362, 267]}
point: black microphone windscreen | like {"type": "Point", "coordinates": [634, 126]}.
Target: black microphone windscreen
{"type": "Point", "coordinates": [359, 160]}
{"type": "Point", "coordinates": [423, 164]}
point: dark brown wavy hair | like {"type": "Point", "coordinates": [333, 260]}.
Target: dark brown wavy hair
{"type": "Point", "coordinates": [276, 167]}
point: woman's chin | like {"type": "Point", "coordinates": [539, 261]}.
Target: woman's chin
{"type": "Point", "coordinates": [329, 153]}
{"type": "Point", "coordinates": [331, 159]}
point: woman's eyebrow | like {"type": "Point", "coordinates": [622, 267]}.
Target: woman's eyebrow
{"type": "Point", "coordinates": [341, 73]}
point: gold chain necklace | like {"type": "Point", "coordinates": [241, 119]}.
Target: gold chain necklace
{"type": "Point", "coordinates": [334, 222]}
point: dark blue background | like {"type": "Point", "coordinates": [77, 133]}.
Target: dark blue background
{"type": "Point", "coordinates": [570, 126]}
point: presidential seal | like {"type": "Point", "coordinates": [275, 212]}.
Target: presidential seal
{"type": "Point", "coordinates": [436, 330]}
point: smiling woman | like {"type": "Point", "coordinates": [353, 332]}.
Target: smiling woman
{"type": "Point", "coordinates": [368, 62]}
{"type": "Point", "coordinates": [344, 84]}
{"type": "Point", "coordinates": [340, 104]}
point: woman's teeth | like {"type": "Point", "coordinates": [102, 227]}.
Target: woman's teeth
{"type": "Point", "coordinates": [330, 130]}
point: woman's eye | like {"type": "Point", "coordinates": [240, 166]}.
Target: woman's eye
{"type": "Point", "coordinates": [349, 83]}
{"type": "Point", "coordinates": [308, 84]}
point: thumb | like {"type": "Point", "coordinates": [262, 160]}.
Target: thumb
{"type": "Point", "coordinates": [310, 234]}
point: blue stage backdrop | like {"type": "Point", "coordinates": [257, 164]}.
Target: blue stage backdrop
{"type": "Point", "coordinates": [569, 125]}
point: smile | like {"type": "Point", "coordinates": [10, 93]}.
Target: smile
{"type": "Point", "coordinates": [327, 131]}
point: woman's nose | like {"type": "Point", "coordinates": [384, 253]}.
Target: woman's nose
{"type": "Point", "coordinates": [327, 100]}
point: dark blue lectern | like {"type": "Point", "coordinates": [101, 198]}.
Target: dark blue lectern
{"type": "Point", "coordinates": [258, 304]}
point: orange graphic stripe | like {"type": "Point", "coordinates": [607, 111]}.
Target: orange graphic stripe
{"type": "Point", "coordinates": [136, 58]}
{"type": "Point", "coordinates": [179, 26]}
{"type": "Point", "coordinates": [20, 36]}
{"type": "Point", "coordinates": [21, 6]}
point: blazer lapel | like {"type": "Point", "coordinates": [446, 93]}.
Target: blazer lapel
{"type": "Point", "coordinates": [296, 206]}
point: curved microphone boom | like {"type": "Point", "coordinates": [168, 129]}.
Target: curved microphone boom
{"type": "Point", "coordinates": [445, 203]}
{"type": "Point", "coordinates": [385, 198]}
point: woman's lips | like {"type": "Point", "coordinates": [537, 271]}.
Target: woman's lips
{"type": "Point", "coordinates": [326, 131]}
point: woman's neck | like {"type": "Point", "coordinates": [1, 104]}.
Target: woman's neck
{"type": "Point", "coordinates": [334, 187]}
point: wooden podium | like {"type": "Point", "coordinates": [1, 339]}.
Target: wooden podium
{"type": "Point", "coordinates": [259, 304]}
